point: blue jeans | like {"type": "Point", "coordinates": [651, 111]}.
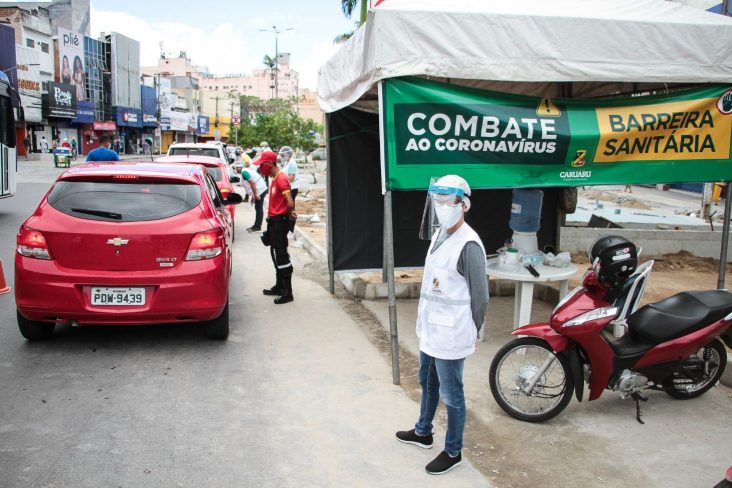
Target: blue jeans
{"type": "Point", "coordinates": [442, 378]}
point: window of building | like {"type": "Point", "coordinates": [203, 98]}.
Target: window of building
{"type": "Point", "coordinates": [44, 47]}
{"type": "Point", "coordinates": [30, 43]}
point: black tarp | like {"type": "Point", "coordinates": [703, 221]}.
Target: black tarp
{"type": "Point", "coordinates": [357, 205]}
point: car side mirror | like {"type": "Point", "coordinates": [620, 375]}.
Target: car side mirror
{"type": "Point", "coordinates": [234, 199]}
{"type": "Point", "coordinates": [231, 160]}
{"type": "Point", "coordinates": [234, 179]}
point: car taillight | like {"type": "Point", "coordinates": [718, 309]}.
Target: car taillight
{"type": "Point", "coordinates": [206, 245]}
{"type": "Point", "coordinates": [32, 244]}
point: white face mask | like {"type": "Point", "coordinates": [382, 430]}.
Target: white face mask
{"type": "Point", "coordinates": [448, 216]}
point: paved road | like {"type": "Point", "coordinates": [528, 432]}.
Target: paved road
{"type": "Point", "coordinates": [305, 400]}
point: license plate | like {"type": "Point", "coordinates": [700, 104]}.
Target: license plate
{"type": "Point", "coordinates": [118, 296]}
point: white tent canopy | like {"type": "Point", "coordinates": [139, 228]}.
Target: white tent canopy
{"type": "Point", "coordinates": [530, 41]}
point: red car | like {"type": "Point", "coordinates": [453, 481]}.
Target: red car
{"type": "Point", "coordinates": [215, 166]}
{"type": "Point", "coordinates": [126, 243]}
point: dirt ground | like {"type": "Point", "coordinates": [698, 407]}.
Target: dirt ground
{"type": "Point", "coordinates": [672, 273]}
{"type": "Point", "coordinates": [624, 201]}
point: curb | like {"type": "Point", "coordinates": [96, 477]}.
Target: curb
{"type": "Point", "coordinates": [359, 288]}
{"type": "Point", "coordinates": [317, 252]}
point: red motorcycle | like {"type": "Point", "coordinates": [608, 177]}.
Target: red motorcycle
{"type": "Point", "coordinates": [672, 345]}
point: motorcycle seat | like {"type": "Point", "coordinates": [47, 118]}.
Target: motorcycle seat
{"type": "Point", "coordinates": [678, 315]}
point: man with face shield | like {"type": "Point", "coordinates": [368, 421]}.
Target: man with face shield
{"type": "Point", "coordinates": [281, 212]}
{"type": "Point", "coordinates": [452, 304]}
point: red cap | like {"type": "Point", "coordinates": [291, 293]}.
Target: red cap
{"type": "Point", "coordinates": [266, 157]}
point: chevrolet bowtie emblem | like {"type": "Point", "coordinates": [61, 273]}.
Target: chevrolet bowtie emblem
{"type": "Point", "coordinates": [118, 241]}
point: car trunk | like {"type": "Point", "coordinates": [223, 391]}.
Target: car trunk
{"type": "Point", "coordinates": [122, 246]}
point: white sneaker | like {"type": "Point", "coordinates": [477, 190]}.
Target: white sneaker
{"type": "Point", "coordinates": [291, 236]}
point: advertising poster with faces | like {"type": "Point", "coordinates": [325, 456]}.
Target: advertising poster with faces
{"type": "Point", "coordinates": [71, 61]}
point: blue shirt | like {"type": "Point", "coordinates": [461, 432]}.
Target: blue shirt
{"type": "Point", "coordinates": [102, 154]}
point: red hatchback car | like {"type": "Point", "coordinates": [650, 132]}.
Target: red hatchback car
{"type": "Point", "coordinates": [126, 243]}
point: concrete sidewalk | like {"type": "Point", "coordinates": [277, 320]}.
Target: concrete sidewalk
{"type": "Point", "coordinates": [329, 386]}
{"type": "Point", "coordinates": [597, 444]}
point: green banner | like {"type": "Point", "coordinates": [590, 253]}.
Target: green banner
{"type": "Point", "coordinates": [497, 140]}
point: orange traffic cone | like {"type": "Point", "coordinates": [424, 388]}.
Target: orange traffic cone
{"type": "Point", "coordinates": [4, 288]}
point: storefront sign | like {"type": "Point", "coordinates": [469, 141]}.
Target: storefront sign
{"type": "Point", "coordinates": [61, 100]}
{"type": "Point", "coordinates": [203, 125]}
{"type": "Point", "coordinates": [71, 60]}
{"type": "Point", "coordinates": [29, 83]}
{"type": "Point", "coordinates": [149, 106]}
{"type": "Point", "coordinates": [499, 140]}
{"type": "Point", "coordinates": [128, 117]}
{"type": "Point", "coordinates": [84, 113]}
{"type": "Point", "coordinates": [178, 121]}
{"type": "Point", "coordinates": [105, 126]}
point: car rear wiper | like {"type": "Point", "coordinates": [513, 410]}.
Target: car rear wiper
{"type": "Point", "coordinates": [100, 213]}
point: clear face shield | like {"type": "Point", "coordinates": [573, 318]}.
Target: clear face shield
{"type": "Point", "coordinates": [443, 208]}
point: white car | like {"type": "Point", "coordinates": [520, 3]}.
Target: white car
{"type": "Point", "coordinates": [214, 150]}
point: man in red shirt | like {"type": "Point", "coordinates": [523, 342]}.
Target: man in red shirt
{"type": "Point", "coordinates": [281, 210]}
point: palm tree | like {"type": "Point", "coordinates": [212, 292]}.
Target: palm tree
{"type": "Point", "coordinates": [271, 64]}
{"type": "Point", "coordinates": [348, 6]}
{"type": "Point", "coordinates": [341, 38]}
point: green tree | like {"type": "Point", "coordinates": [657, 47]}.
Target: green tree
{"type": "Point", "coordinates": [275, 121]}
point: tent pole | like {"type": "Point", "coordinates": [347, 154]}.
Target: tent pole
{"type": "Point", "coordinates": [725, 237]}
{"type": "Point", "coordinates": [329, 212]}
{"type": "Point", "coordinates": [384, 273]}
{"type": "Point", "coordinates": [389, 260]}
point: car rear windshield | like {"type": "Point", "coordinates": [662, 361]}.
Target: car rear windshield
{"type": "Point", "coordinates": [123, 201]}
{"type": "Point", "coordinates": [195, 151]}
{"type": "Point", "coordinates": [215, 172]}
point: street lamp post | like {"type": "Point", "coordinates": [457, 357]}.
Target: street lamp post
{"type": "Point", "coordinates": [276, 32]}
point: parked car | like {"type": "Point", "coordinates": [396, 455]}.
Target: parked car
{"type": "Point", "coordinates": [210, 149]}
{"type": "Point", "coordinates": [219, 171]}
{"type": "Point", "coordinates": [318, 154]}
{"type": "Point", "coordinates": [126, 243]}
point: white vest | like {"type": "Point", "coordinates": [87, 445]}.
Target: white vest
{"type": "Point", "coordinates": [445, 325]}
{"type": "Point", "coordinates": [258, 181]}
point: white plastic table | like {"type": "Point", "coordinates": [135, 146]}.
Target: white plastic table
{"type": "Point", "coordinates": [525, 284]}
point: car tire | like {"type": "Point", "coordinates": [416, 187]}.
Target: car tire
{"type": "Point", "coordinates": [218, 328]}
{"type": "Point", "coordinates": [34, 330]}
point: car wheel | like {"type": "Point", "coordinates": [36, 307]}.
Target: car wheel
{"type": "Point", "coordinates": [34, 330]}
{"type": "Point", "coordinates": [218, 328]}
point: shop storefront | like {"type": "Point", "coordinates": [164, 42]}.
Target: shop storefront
{"type": "Point", "coordinates": [129, 129]}
{"type": "Point", "coordinates": [176, 130]}
{"type": "Point", "coordinates": [59, 107]}
{"type": "Point", "coordinates": [149, 117]}
{"type": "Point", "coordinates": [90, 133]}
{"type": "Point", "coordinates": [83, 120]}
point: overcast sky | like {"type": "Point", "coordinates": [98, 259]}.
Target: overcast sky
{"type": "Point", "coordinates": [224, 34]}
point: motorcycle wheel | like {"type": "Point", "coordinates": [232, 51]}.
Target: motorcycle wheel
{"type": "Point", "coordinates": [514, 367]}
{"type": "Point", "coordinates": [690, 381]}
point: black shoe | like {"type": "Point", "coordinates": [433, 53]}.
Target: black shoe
{"type": "Point", "coordinates": [443, 463]}
{"type": "Point", "coordinates": [253, 229]}
{"type": "Point", "coordinates": [274, 291]}
{"type": "Point", "coordinates": [411, 437]}
{"type": "Point", "coordinates": [284, 299]}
